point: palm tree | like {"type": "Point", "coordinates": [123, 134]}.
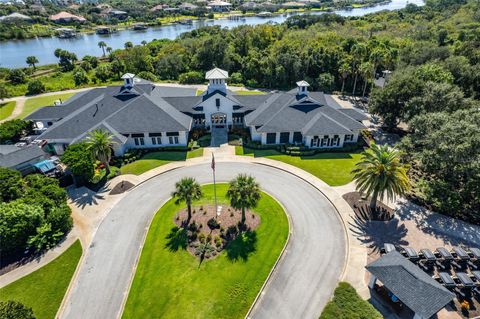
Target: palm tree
{"type": "Point", "coordinates": [358, 51]}
{"type": "Point", "coordinates": [102, 45]}
{"type": "Point", "coordinates": [128, 45]}
{"type": "Point", "coordinates": [144, 42]}
{"type": "Point", "coordinates": [380, 173]}
{"type": "Point", "coordinates": [187, 190]}
{"type": "Point", "coordinates": [344, 71]}
{"type": "Point", "coordinates": [244, 193]}
{"type": "Point", "coordinates": [100, 143]}
{"type": "Point", "coordinates": [109, 50]}
{"type": "Point", "coordinates": [31, 61]}
{"type": "Point", "coordinates": [365, 70]}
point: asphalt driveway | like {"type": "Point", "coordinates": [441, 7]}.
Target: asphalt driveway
{"type": "Point", "coordinates": [300, 287]}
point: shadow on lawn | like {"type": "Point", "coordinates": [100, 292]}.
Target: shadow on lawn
{"type": "Point", "coordinates": [242, 246]}
{"type": "Point", "coordinates": [177, 239]}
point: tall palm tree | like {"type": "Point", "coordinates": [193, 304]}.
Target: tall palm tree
{"type": "Point", "coordinates": [380, 173]}
{"type": "Point", "coordinates": [100, 143]}
{"type": "Point", "coordinates": [365, 70]}
{"type": "Point", "coordinates": [344, 71]}
{"type": "Point", "coordinates": [187, 190]}
{"type": "Point", "coordinates": [31, 61]}
{"type": "Point", "coordinates": [109, 50]}
{"type": "Point", "coordinates": [244, 193]}
{"type": "Point", "coordinates": [358, 51]}
{"type": "Point", "coordinates": [128, 45]}
{"type": "Point", "coordinates": [102, 45]}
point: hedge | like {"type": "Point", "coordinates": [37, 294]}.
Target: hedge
{"type": "Point", "coordinates": [347, 304]}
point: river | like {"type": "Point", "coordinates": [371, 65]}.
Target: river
{"type": "Point", "coordinates": [13, 53]}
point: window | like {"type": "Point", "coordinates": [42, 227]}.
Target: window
{"type": "Point", "coordinates": [173, 139]}
{"type": "Point", "coordinates": [297, 137]}
{"type": "Point", "coordinates": [139, 141]}
{"type": "Point", "coordinates": [348, 137]}
{"type": "Point", "coordinates": [271, 137]}
{"type": "Point", "coordinates": [284, 137]}
{"type": "Point", "coordinates": [217, 102]}
{"type": "Point", "coordinates": [156, 140]}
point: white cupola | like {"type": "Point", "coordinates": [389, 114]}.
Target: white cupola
{"type": "Point", "coordinates": [128, 80]}
{"type": "Point", "coordinates": [216, 80]}
{"type": "Point", "coordinates": [302, 87]}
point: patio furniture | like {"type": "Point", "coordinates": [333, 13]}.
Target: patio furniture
{"type": "Point", "coordinates": [411, 254]}
{"type": "Point", "coordinates": [388, 248]}
{"type": "Point", "coordinates": [445, 254]}
{"type": "Point", "coordinates": [465, 281]}
{"type": "Point", "coordinates": [475, 253]}
{"type": "Point", "coordinates": [428, 259]}
{"type": "Point", "coordinates": [476, 275]}
{"type": "Point", "coordinates": [461, 254]}
{"type": "Point", "coordinates": [446, 280]}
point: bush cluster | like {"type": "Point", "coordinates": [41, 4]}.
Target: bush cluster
{"type": "Point", "coordinates": [34, 213]}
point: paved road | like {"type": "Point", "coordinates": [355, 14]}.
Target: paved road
{"type": "Point", "coordinates": [300, 287]}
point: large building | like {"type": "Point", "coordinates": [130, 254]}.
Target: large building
{"type": "Point", "coordinates": [140, 114]}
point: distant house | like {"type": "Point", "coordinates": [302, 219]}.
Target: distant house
{"type": "Point", "coordinates": [15, 17]}
{"type": "Point", "coordinates": [159, 7]}
{"type": "Point", "coordinates": [118, 14]}
{"type": "Point", "coordinates": [22, 159]}
{"type": "Point", "coordinates": [293, 4]}
{"type": "Point", "coordinates": [140, 114]}
{"type": "Point", "coordinates": [66, 17]}
{"type": "Point", "coordinates": [187, 6]}
{"type": "Point", "coordinates": [219, 6]}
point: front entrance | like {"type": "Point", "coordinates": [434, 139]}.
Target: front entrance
{"type": "Point", "coordinates": [219, 135]}
{"type": "Point", "coordinates": [219, 120]}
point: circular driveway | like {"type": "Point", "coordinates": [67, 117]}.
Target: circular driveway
{"type": "Point", "coordinates": [300, 287]}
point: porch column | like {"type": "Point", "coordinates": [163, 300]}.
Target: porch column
{"type": "Point", "coordinates": [371, 283]}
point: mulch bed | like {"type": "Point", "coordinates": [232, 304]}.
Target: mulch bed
{"type": "Point", "coordinates": [200, 233]}
{"type": "Point", "coordinates": [361, 208]}
{"type": "Point", "coordinates": [121, 187]}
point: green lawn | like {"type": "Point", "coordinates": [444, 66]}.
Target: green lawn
{"type": "Point", "coordinates": [6, 109]}
{"type": "Point", "coordinates": [172, 284]}
{"type": "Point", "coordinates": [195, 153]}
{"type": "Point", "coordinates": [347, 304]}
{"type": "Point", "coordinates": [43, 290]}
{"type": "Point", "coordinates": [34, 103]}
{"type": "Point", "coordinates": [333, 168]}
{"type": "Point", "coordinates": [155, 159]}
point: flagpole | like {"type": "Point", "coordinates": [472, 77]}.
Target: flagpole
{"type": "Point", "coordinates": [214, 185]}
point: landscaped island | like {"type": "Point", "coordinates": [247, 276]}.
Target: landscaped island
{"type": "Point", "coordinates": [173, 282]}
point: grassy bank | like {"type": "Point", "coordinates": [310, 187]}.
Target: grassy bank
{"type": "Point", "coordinates": [155, 159]}
{"type": "Point", "coordinates": [6, 109]}
{"type": "Point", "coordinates": [332, 168]}
{"type": "Point", "coordinates": [172, 284]}
{"type": "Point", "coordinates": [43, 290]}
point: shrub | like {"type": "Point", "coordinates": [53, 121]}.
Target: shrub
{"type": "Point", "coordinates": [79, 161]}
{"type": "Point", "coordinates": [17, 76]}
{"type": "Point", "coordinates": [209, 238]}
{"type": "Point", "coordinates": [201, 237]}
{"type": "Point", "coordinates": [212, 223]}
{"type": "Point", "coordinates": [35, 87]}
{"type": "Point", "coordinates": [80, 77]}
{"type": "Point", "coordinates": [192, 77]}
{"type": "Point", "coordinates": [103, 73]}
{"type": "Point", "coordinates": [236, 77]}
{"type": "Point", "coordinates": [347, 304]}
{"type": "Point", "coordinates": [149, 76]}
{"type": "Point", "coordinates": [14, 129]}
{"type": "Point", "coordinates": [15, 310]}
{"type": "Point", "coordinates": [12, 185]}
{"type": "Point", "coordinates": [218, 241]}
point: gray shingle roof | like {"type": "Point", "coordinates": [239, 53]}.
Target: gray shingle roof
{"type": "Point", "coordinates": [141, 108]}
{"type": "Point", "coordinates": [310, 115]}
{"type": "Point", "coordinates": [415, 288]}
{"type": "Point", "coordinates": [354, 114]}
{"type": "Point", "coordinates": [11, 155]}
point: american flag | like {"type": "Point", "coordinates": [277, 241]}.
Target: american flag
{"type": "Point", "coordinates": [213, 162]}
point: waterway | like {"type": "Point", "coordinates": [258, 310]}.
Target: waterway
{"type": "Point", "coordinates": [13, 53]}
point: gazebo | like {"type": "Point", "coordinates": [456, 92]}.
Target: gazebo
{"type": "Point", "coordinates": [410, 284]}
